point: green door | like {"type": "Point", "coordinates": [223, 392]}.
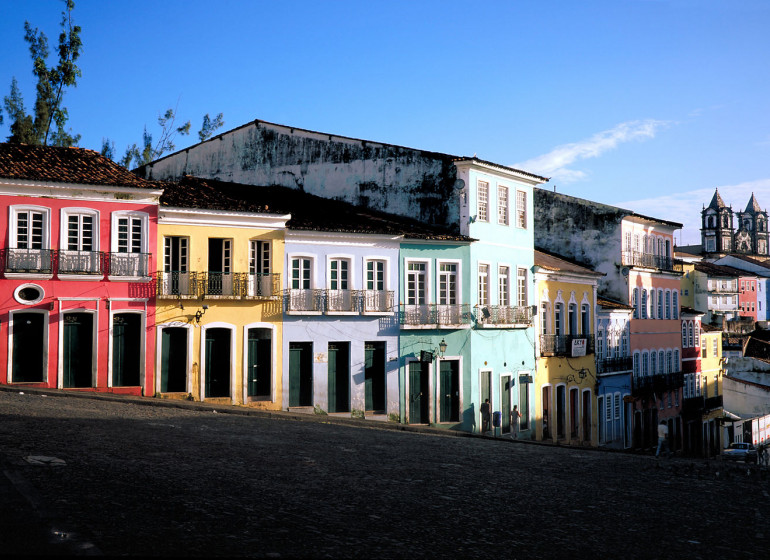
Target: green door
{"type": "Point", "coordinates": [259, 363]}
{"type": "Point", "coordinates": [374, 376]}
{"type": "Point", "coordinates": [449, 378]}
{"type": "Point", "coordinates": [418, 392]}
{"type": "Point", "coordinates": [77, 350]}
{"type": "Point", "coordinates": [505, 402]}
{"type": "Point", "coordinates": [126, 349]}
{"type": "Point", "coordinates": [301, 374]}
{"type": "Point", "coordinates": [173, 360]}
{"type": "Point", "coordinates": [28, 350]}
{"type": "Point", "coordinates": [217, 363]}
{"type": "Point", "coordinates": [339, 377]}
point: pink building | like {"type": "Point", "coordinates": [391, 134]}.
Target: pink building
{"type": "Point", "coordinates": [747, 297]}
{"type": "Point", "coordinates": [77, 304]}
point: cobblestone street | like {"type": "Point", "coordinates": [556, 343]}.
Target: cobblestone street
{"type": "Point", "coordinates": [164, 480]}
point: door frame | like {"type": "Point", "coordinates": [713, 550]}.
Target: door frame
{"type": "Point", "coordinates": [142, 343]}
{"type": "Point", "coordinates": [94, 341]}
{"type": "Point", "coordinates": [407, 390]}
{"type": "Point", "coordinates": [245, 358]}
{"type": "Point", "coordinates": [233, 331]}
{"type": "Point", "coordinates": [459, 361]}
{"type": "Point", "coordinates": [159, 352]}
{"type": "Point", "coordinates": [46, 327]}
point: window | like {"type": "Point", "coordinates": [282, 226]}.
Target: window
{"type": "Point", "coordinates": [483, 284]}
{"type": "Point", "coordinates": [661, 362]}
{"type": "Point", "coordinates": [644, 304]}
{"type": "Point", "coordinates": [676, 360]}
{"type": "Point", "coordinates": [447, 284]}
{"type": "Point", "coordinates": [544, 318]}
{"type": "Point", "coordinates": [684, 335]}
{"type": "Point", "coordinates": [416, 283]}
{"type": "Point", "coordinates": [482, 194]}
{"type": "Point", "coordinates": [259, 257]}
{"type": "Point", "coordinates": [715, 347]}
{"type": "Point", "coordinates": [645, 364]}
{"type": "Point", "coordinates": [668, 304]}
{"type": "Point", "coordinates": [301, 273]}
{"type": "Point", "coordinates": [653, 365]}
{"type": "Point", "coordinates": [697, 334]}
{"type": "Point", "coordinates": [636, 303]}
{"type": "Point", "coordinates": [636, 364]}
{"type": "Point", "coordinates": [559, 319]}
{"type": "Point", "coordinates": [29, 228]}
{"type": "Point", "coordinates": [502, 205]}
{"type": "Point", "coordinates": [129, 244]}
{"type": "Point", "coordinates": [375, 275]}
{"type": "Point", "coordinates": [669, 362]}
{"type": "Point", "coordinates": [572, 319]}
{"type": "Point", "coordinates": [599, 345]}
{"type": "Point", "coordinates": [80, 232]}
{"type": "Point", "coordinates": [703, 351]}
{"type": "Point", "coordinates": [585, 319]}
{"type": "Point", "coordinates": [339, 270]}
{"type": "Point", "coordinates": [521, 276]}
{"type": "Point", "coordinates": [129, 235]}
{"type": "Point", "coordinates": [521, 209]}
{"type": "Point", "coordinates": [624, 343]}
{"type": "Point", "coordinates": [503, 297]}
{"type": "Point", "coordinates": [675, 299]}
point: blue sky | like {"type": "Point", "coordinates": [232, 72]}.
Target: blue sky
{"type": "Point", "coordinates": [646, 104]}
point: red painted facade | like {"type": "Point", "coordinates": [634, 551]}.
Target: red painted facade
{"type": "Point", "coordinates": [747, 298]}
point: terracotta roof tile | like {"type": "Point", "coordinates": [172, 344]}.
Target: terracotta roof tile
{"type": "Point", "coordinates": [65, 165]}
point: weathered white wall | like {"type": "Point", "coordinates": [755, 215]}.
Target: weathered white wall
{"type": "Point", "coordinates": [745, 400]}
{"type": "Point", "coordinates": [390, 178]}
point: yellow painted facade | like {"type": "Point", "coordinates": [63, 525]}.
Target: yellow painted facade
{"type": "Point", "coordinates": [687, 298]}
{"type": "Point", "coordinates": [565, 386]}
{"type": "Point", "coordinates": [711, 368]}
{"type": "Point", "coordinates": [218, 304]}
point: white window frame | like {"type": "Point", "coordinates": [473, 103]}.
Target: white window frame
{"type": "Point", "coordinates": [457, 273]}
{"type": "Point", "coordinates": [484, 283]}
{"type": "Point", "coordinates": [260, 256]}
{"type": "Point", "coordinates": [13, 225]}
{"type": "Point", "coordinates": [521, 209]}
{"type": "Point", "coordinates": [503, 204]}
{"type": "Point", "coordinates": [482, 201]}
{"type": "Point", "coordinates": [426, 273]}
{"type": "Point", "coordinates": [504, 285]}
{"type": "Point", "coordinates": [129, 214]}
{"type": "Point", "coordinates": [345, 284]}
{"type": "Point", "coordinates": [522, 287]}
{"type": "Point", "coordinates": [66, 213]}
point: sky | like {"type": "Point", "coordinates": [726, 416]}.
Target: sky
{"type": "Point", "coordinates": [645, 104]}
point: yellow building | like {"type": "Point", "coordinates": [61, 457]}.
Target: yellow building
{"type": "Point", "coordinates": [219, 309]}
{"type": "Point", "coordinates": [565, 378]}
{"type": "Point", "coordinates": [711, 372]}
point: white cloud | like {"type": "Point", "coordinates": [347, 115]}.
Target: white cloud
{"type": "Point", "coordinates": [685, 207]}
{"type": "Point", "coordinates": [554, 163]}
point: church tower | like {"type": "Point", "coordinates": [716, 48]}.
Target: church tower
{"type": "Point", "coordinates": [717, 226]}
{"type": "Point", "coordinates": [751, 236]}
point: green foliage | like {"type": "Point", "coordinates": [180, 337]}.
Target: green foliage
{"type": "Point", "coordinates": [318, 410]}
{"type": "Point", "coordinates": [356, 413]}
{"type": "Point", "coordinates": [50, 88]}
{"type": "Point", "coordinates": [108, 148]}
{"type": "Point", "coordinates": [208, 127]}
{"type": "Point", "coordinates": [394, 417]}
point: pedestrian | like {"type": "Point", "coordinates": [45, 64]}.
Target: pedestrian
{"type": "Point", "coordinates": [486, 416]}
{"type": "Point", "coordinates": [515, 416]}
{"type": "Point", "coordinates": [663, 439]}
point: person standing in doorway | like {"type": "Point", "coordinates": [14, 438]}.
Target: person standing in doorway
{"type": "Point", "coordinates": [515, 416]}
{"type": "Point", "coordinates": [486, 416]}
{"type": "Point", "coordinates": [663, 439]}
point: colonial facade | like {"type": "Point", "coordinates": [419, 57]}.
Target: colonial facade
{"type": "Point", "coordinates": [725, 231]}
{"type": "Point", "coordinates": [77, 266]}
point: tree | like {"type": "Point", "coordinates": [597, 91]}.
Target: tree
{"type": "Point", "coordinates": [50, 89]}
{"type": "Point", "coordinates": [141, 155]}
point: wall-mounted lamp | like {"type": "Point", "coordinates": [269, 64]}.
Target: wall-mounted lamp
{"type": "Point", "coordinates": [429, 355]}
{"type": "Point", "coordinates": [199, 313]}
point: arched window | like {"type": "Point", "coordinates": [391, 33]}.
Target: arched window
{"type": "Point", "coordinates": [669, 363]}
{"type": "Point", "coordinates": [645, 364]}
{"type": "Point", "coordinates": [599, 344]}
{"type": "Point", "coordinates": [652, 363]}
{"type": "Point", "coordinates": [684, 334]}
{"type": "Point", "coordinates": [636, 303]}
{"type": "Point", "coordinates": [660, 304]}
{"type": "Point", "coordinates": [676, 360]}
{"type": "Point", "coordinates": [675, 304]}
{"type": "Point", "coordinates": [689, 334]}
{"type": "Point", "coordinates": [668, 304]}
{"type": "Point", "coordinates": [661, 359]}
{"type": "Point", "coordinates": [697, 334]}
{"type": "Point", "coordinates": [644, 304]}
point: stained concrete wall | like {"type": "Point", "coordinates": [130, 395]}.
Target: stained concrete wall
{"type": "Point", "coordinates": [393, 179]}
{"type": "Point", "coordinates": [584, 231]}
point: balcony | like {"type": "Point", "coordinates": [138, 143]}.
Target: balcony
{"type": "Point", "coordinates": [81, 262]}
{"type": "Point", "coordinates": [262, 286]}
{"type": "Point", "coordinates": [657, 384]}
{"type": "Point", "coordinates": [29, 261]}
{"type": "Point", "coordinates": [303, 301]}
{"type": "Point", "coordinates": [504, 315]}
{"type": "Point", "coordinates": [341, 301]}
{"type": "Point", "coordinates": [566, 345]}
{"type": "Point", "coordinates": [720, 289]}
{"type": "Point", "coordinates": [651, 260]}
{"type": "Point", "coordinates": [133, 265]}
{"type": "Point", "coordinates": [433, 316]}
{"type": "Point", "coordinates": [219, 285]}
{"type": "Point", "coordinates": [692, 405]}
{"type": "Point", "coordinates": [377, 301]}
{"type": "Point", "coordinates": [713, 403]}
{"type": "Point", "coordinates": [177, 284]}
{"type": "Point", "coordinates": [613, 365]}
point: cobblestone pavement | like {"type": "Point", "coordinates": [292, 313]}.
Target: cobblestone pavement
{"type": "Point", "coordinates": [187, 481]}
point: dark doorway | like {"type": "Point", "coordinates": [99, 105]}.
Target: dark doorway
{"type": "Point", "coordinates": [449, 378]}
{"type": "Point", "coordinates": [217, 363]}
{"type": "Point", "coordinates": [374, 376]}
{"type": "Point", "coordinates": [126, 349]}
{"type": "Point", "coordinates": [300, 374]}
{"type": "Point", "coordinates": [77, 350]}
{"type": "Point", "coordinates": [28, 347]}
{"type": "Point", "coordinates": [259, 365]}
{"type": "Point", "coordinates": [418, 392]}
{"type": "Point", "coordinates": [173, 360]}
{"type": "Point", "coordinates": [339, 377]}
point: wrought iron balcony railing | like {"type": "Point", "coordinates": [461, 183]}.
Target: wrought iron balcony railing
{"type": "Point", "coordinates": [377, 301]}
{"type": "Point", "coordinates": [566, 345]}
{"type": "Point", "coordinates": [712, 403]}
{"type": "Point", "coordinates": [129, 264]}
{"type": "Point", "coordinates": [651, 260]}
{"type": "Point", "coordinates": [262, 286]}
{"type": "Point", "coordinates": [504, 315]}
{"type": "Point", "coordinates": [177, 284]}
{"type": "Point", "coordinates": [435, 315]}
{"type": "Point", "coordinates": [38, 261]}
{"type": "Point", "coordinates": [658, 383]}
{"type": "Point", "coordinates": [81, 262]}
{"type": "Point", "coordinates": [303, 300]}
{"type": "Point", "coordinates": [612, 365]}
{"type": "Point", "coordinates": [341, 301]}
